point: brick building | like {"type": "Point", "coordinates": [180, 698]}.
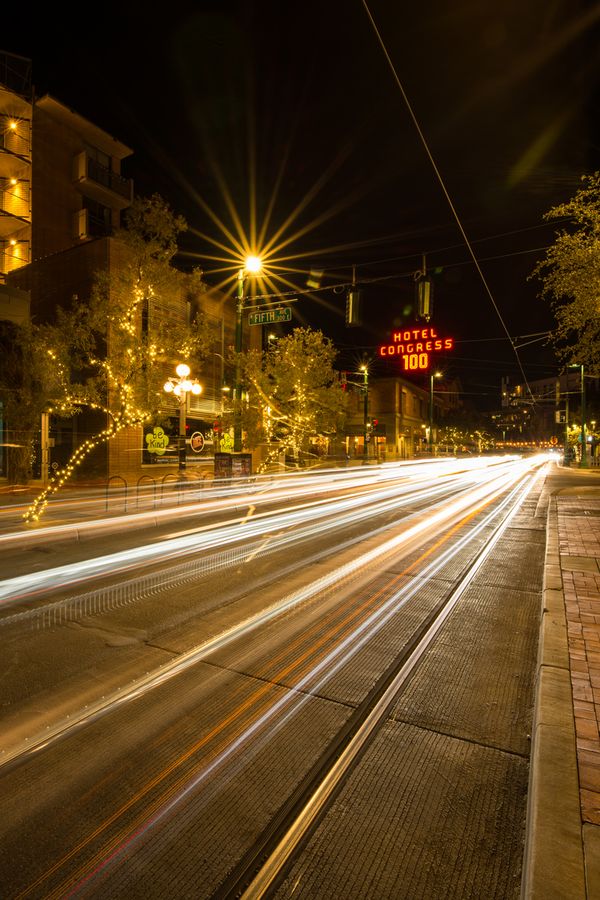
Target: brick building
{"type": "Point", "coordinates": [62, 196]}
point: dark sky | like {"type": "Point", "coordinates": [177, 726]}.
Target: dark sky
{"type": "Point", "coordinates": [293, 108]}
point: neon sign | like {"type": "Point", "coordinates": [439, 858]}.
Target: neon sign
{"type": "Point", "coordinates": [414, 347]}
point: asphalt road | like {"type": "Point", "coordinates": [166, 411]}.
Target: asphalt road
{"type": "Point", "coordinates": [160, 741]}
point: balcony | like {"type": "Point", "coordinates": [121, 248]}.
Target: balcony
{"type": "Point", "coordinates": [13, 254]}
{"type": "Point", "coordinates": [87, 225]}
{"type": "Point", "coordinates": [101, 184]}
{"type": "Point", "coordinates": [15, 143]}
{"type": "Point", "coordinates": [15, 204]}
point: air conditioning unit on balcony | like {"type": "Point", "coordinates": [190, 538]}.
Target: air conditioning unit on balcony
{"type": "Point", "coordinates": [81, 225]}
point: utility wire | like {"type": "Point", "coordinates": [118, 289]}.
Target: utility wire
{"type": "Point", "coordinates": [445, 191]}
{"type": "Point", "coordinates": [376, 279]}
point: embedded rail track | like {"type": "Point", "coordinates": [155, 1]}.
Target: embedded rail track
{"type": "Point", "coordinates": [265, 865]}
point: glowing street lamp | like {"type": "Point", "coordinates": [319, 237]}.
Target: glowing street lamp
{"type": "Point", "coordinates": [252, 266]}
{"type": "Point", "coordinates": [431, 377]}
{"type": "Point", "coordinates": [365, 370]}
{"type": "Point", "coordinates": [584, 462]}
{"type": "Point", "coordinates": [180, 387]}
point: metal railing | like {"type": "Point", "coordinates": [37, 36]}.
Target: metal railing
{"type": "Point", "coordinates": [101, 175]}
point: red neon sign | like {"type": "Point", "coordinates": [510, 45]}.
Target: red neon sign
{"type": "Point", "coordinates": [414, 347]}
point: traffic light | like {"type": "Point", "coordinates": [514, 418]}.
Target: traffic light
{"type": "Point", "coordinates": [353, 300]}
{"type": "Point", "coordinates": [217, 426]}
{"type": "Point", "coordinates": [424, 289]}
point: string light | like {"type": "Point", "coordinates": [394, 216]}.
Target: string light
{"type": "Point", "coordinates": [117, 377]}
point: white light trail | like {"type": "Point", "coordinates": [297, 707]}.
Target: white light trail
{"type": "Point", "coordinates": [287, 705]}
{"type": "Point", "coordinates": [233, 531]}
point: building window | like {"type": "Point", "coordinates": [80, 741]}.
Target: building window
{"type": "Point", "coordinates": [99, 221]}
{"type": "Point", "coordinates": [99, 166]}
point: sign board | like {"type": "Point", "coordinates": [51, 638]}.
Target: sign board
{"type": "Point", "coordinates": [197, 442]}
{"type": "Point", "coordinates": [222, 465]}
{"type": "Point", "coordinates": [414, 347]}
{"type": "Point", "coordinates": [241, 465]}
{"type": "Point", "coordinates": [269, 316]}
{"type": "Point", "coordinates": [236, 465]}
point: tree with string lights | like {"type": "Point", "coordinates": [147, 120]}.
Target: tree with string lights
{"type": "Point", "coordinates": [294, 392]}
{"type": "Point", "coordinates": [110, 354]}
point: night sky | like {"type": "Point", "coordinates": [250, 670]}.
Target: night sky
{"type": "Point", "coordinates": [293, 108]}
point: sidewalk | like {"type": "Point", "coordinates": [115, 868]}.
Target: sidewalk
{"type": "Point", "coordinates": [562, 857]}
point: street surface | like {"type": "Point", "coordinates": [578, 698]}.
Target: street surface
{"type": "Point", "coordinates": [319, 685]}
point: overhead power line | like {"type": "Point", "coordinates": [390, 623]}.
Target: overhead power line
{"type": "Point", "coordinates": [445, 191]}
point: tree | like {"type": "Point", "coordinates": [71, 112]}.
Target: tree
{"type": "Point", "coordinates": [570, 275]}
{"type": "Point", "coordinates": [294, 391]}
{"type": "Point", "coordinates": [110, 353]}
{"type": "Point", "coordinates": [27, 384]}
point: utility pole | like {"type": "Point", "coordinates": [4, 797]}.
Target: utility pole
{"type": "Point", "coordinates": [567, 459]}
{"type": "Point", "coordinates": [237, 391]}
{"type": "Point", "coordinates": [365, 372]}
{"type": "Point", "coordinates": [583, 441]}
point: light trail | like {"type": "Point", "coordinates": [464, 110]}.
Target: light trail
{"type": "Point", "coordinates": [312, 681]}
{"type": "Point", "coordinates": [230, 532]}
{"type": "Point", "coordinates": [441, 516]}
{"type": "Point", "coordinates": [284, 486]}
{"type": "Point", "coordinates": [275, 862]}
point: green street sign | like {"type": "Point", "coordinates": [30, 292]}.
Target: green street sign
{"type": "Point", "coordinates": [270, 315]}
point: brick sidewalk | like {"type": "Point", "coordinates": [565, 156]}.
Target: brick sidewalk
{"type": "Point", "coordinates": [579, 545]}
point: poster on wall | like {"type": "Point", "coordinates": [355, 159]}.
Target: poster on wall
{"type": "Point", "coordinates": [241, 465]}
{"type": "Point", "coordinates": [161, 442]}
{"type": "Point", "coordinates": [160, 445]}
{"type": "Point", "coordinates": [233, 465]}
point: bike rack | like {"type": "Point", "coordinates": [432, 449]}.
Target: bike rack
{"type": "Point", "coordinates": [115, 478]}
{"type": "Point", "coordinates": [144, 480]}
{"type": "Point", "coordinates": [163, 483]}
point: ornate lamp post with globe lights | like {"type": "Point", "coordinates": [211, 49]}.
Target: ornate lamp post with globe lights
{"type": "Point", "coordinates": [181, 387]}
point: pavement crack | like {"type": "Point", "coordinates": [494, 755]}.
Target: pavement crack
{"type": "Point", "coordinates": [513, 754]}
{"type": "Point", "coordinates": [174, 653]}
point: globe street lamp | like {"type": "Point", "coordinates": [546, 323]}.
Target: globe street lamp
{"type": "Point", "coordinates": [252, 266]}
{"type": "Point", "coordinates": [181, 387]}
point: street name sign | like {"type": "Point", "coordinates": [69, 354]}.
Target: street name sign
{"type": "Point", "coordinates": [269, 316]}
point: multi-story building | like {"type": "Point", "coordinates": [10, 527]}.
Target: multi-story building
{"type": "Point", "coordinates": [16, 111]}
{"type": "Point", "coordinates": [539, 412]}
{"type": "Point", "coordinates": [396, 420]}
{"type": "Point", "coordinates": [62, 196]}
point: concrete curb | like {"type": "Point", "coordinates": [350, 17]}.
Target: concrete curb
{"type": "Point", "coordinates": [553, 865]}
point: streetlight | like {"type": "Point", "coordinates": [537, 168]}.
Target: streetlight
{"type": "Point", "coordinates": [252, 266]}
{"type": "Point", "coordinates": [365, 370]}
{"type": "Point", "coordinates": [181, 387]}
{"type": "Point", "coordinates": [431, 377]}
{"type": "Point", "coordinates": [583, 463]}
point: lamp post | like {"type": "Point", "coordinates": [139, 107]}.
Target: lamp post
{"type": "Point", "coordinates": [583, 463]}
{"type": "Point", "coordinates": [431, 377]}
{"type": "Point", "coordinates": [252, 266]}
{"type": "Point", "coordinates": [365, 370]}
{"type": "Point", "coordinates": [583, 440]}
{"type": "Point", "coordinates": [181, 387]}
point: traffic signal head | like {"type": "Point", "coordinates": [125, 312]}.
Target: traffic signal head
{"type": "Point", "coordinates": [353, 298]}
